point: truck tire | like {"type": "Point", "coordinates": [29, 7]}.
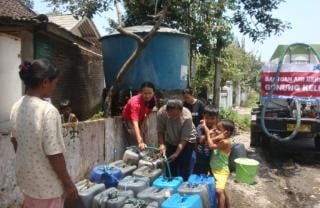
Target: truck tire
{"type": "Point", "coordinates": [317, 142]}
{"type": "Point", "coordinates": [255, 136]}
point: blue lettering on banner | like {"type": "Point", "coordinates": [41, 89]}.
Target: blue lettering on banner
{"type": "Point", "coordinates": [316, 67]}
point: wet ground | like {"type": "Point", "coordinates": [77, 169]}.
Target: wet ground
{"type": "Point", "coordinates": [288, 176]}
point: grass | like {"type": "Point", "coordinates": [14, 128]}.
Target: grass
{"type": "Point", "coordinates": [242, 121]}
{"type": "Point", "coordinates": [252, 99]}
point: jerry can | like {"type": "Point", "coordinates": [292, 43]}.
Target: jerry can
{"type": "Point", "coordinates": [111, 198]}
{"type": "Point", "coordinates": [139, 203]}
{"type": "Point", "coordinates": [106, 174]}
{"type": "Point", "coordinates": [166, 182]}
{"type": "Point", "coordinates": [146, 171]}
{"type": "Point", "coordinates": [210, 181]}
{"type": "Point", "coordinates": [186, 201]}
{"type": "Point", "coordinates": [125, 168]}
{"type": "Point", "coordinates": [148, 161]}
{"type": "Point", "coordinates": [131, 156]}
{"type": "Point", "coordinates": [134, 183]}
{"type": "Point", "coordinates": [155, 194]}
{"type": "Point", "coordinates": [87, 190]}
{"type": "Point", "coordinates": [187, 188]}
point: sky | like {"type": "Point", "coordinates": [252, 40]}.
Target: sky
{"type": "Point", "coordinates": [302, 15]}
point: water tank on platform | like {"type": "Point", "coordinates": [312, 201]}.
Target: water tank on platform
{"type": "Point", "coordinates": [165, 61]}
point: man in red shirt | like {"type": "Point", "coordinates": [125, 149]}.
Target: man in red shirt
{"type": "Point", "coordinates": [135, 112]}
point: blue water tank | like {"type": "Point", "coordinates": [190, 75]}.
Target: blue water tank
{"type": "Point", "coordinates": [165, 61]}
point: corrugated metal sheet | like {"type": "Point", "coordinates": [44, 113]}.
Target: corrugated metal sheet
{"type": "Point", "coordinates": [66, 21]}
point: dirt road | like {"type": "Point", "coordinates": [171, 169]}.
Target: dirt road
{"type": "Point", "coordinates": [285, 179]}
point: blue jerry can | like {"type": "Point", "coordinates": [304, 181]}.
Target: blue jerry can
{"type": "Point", "coordinates": [165, 182]}
{"type": "Point", "coordinates": [186, 201]}
{"type": "Point", "coordinates": [209, 180]}
{"type": "Point", "coordinates": [110, 176]}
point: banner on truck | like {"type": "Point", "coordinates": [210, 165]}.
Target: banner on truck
{"type": "Point", "coordinates": [294, 80]}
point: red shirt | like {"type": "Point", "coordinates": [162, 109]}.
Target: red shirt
{"type": "Point", "coordinates": [135, 109]}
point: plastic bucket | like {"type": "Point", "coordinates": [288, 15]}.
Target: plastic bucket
{"type": "Point", "coordinates": [246, 170]}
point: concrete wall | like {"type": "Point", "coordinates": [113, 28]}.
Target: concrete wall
{"type": "Point", "coordinates": [89, 144]}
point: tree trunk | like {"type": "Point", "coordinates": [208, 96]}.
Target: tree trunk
{"type": "Point", "coordinates": [217, 73]}
{"type": "Point", "coordinates": [142, 43]}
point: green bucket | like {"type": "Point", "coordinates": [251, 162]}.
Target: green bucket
{"type": "Point", "coordinates": [246, 170]}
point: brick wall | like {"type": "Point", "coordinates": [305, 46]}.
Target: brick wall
{"type": "Point", "coordinates": [81, 79]}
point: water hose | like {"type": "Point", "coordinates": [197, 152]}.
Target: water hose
{"type": "Point", "coordinates": [295, 100]}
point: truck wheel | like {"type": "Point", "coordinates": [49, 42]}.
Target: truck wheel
{"type": "Point", "coordinates": [255, 137]}
{"type": "Point", "coordinates": [317, 142]}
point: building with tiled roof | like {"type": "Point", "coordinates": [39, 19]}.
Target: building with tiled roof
{"type": "Point", "coordinates": [73, 47]}
{"type": "Point", "coordinates": [15, 8]}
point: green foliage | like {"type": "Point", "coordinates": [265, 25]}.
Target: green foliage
{"type": "Point", "coordinates": [99, 115]}
{"type": "Point", "coordinates": [239, 66]}
{"type": "Point", "coordinates": [242, 121]}
{"type": "Point", "coordinates": [81, 8]}
{"type": "Point", "coordinates": [195, 17]}
{"type": "Point", "coordinates": [253, 98]}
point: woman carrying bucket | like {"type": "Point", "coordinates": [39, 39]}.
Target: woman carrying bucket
{"type": "Point", "coordinates": [220, 157]}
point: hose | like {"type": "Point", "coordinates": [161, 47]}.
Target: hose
{"type": "Point", "coordinates": [296, 101]}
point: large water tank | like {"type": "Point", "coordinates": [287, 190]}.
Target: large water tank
{"type": "Point", "coordinates": [165, 61]}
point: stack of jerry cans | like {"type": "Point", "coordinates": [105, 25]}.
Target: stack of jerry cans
{"type": "Point", "coordinates": [155, 194]}
{"type": "Point", "coordinates": [106, 174]}
{"type": "Point", "coordinates": [139, 203]}
{"type": "Point", "coordinates": [209, 180]}
{"type": "Point", "coordinates": [149, 172]}
{"type": "Point", "coordinates": [134, 183]}
{"type": "Point", "coordinates": [111, 198]}
{"type": "Point", "coordinates": [87, 191]}
{"type": "Point", "coordinates": [125, 168]}
{"type": "Point", "coordinates": [201, 189]}
{"type": "Point", "coordinates": [186, 201]}
{"type": "Point", "coordinates": [165, 182]}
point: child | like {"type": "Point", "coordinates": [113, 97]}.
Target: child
{"type": "Point", "coordinates": [37, 139]}
{"type": "Point", "coordinates": [221, 146]}
{"type": "Point", "coordinates": [203, 153]}
{"type": "Point", "coordinates": [66, 112]}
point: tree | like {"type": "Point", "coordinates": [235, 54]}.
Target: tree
{"type": "Point", "coordinates": [142, 41]}
{"type": "Point", "coordinates": [209, 26]}
{"type": "Point", "coordinates": [205, 20]}
{"type": "Point", "coordinates": [81, 8]}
